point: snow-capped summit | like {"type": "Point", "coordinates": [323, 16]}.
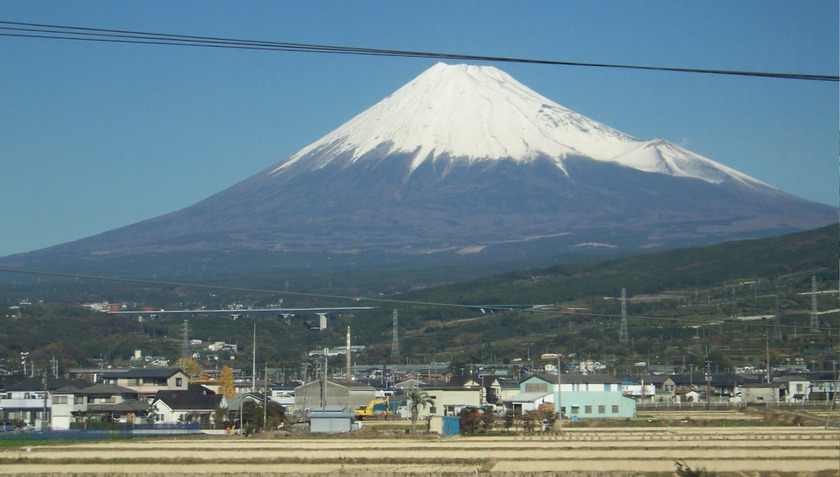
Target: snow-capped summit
{"type": "Point", "coordinates": [480, 113]}
{"type": "Point", "coordinates": [462, 163]}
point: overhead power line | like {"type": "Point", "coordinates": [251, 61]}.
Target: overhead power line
{"type": "Point", "coordinates": [73, 33]}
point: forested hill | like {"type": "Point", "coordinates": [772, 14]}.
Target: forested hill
{"type": "Point", "coordinates": [673, 294]}
{"type": "Point", "coordinates": [800, 254]}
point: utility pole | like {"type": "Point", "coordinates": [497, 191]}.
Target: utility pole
{"type": "Point", "coordinates": [349, 375]}
{"type": "Point", "coordinates": [265, 398]}
{"type": "Point", "coordinates": [44, 419]}
{"type": "Point", "coordinates": [254, 361]}
{"type": "Point", "coordinates": [324, 383]}
{"type": "Point", "coordinates": [836, 384]}
{"type": "Point", "coordinates": [559, 393]}
{"type": "Point", "coordinates": [777, 326]}
{"type": "Point", "coordinates": [708, 382]}
{"type": "Point", "coordinates": [769, 374]}
{"type": "Point", "coordinates": [558, 402]}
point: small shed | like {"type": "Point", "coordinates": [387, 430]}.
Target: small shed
{"type": "Point", "coordinates": [445, 425]}
{"type": "Point", "coordinates": [332, 422]}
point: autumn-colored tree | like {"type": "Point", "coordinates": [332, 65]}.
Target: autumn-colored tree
{"type": "Point", "coordinates": [476, 421]}
{"type": "Point", "coordinates": [226, 387]}
{"type": "Point", "coordinates": [546, 414]}
{"type": "Point", "coordinates": [470, 421]}
{"type": "Point", "coordinates": [190, 367]}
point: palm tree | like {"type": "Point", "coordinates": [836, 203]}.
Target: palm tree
{"type": "Point", "coordinates": [417, 399]}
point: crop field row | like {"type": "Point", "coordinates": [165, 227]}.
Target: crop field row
{"type": "Point", "coordinates": [797, 451]}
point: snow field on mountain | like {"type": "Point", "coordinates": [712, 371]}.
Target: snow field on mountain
{"type": "Point", "coordinates": [480, 113]}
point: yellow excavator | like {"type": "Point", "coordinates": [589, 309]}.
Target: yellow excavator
{"type": "Point", "coordinates": [376, 407]}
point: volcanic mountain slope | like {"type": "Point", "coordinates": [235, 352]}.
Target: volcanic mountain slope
{"type": "Point", "coordinates": [465, 159]}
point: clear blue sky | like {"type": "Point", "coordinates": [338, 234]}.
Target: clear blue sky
{"type": "Point", "coordinates": [97, 136]}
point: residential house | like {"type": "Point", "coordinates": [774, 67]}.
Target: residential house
{"type": "Point", "coordinates": [211, 385]}
{"type": "Point", "coordinates": [797, 387]}
{"type": "Point", "coordinates": [492, 388]}
{"type": "Point", "coordinates": [110, 403]}
{"type": "Point", "coordinates": [434, 373]}
{"type": "Point", "coordinates": [689, 381]}
{"type": "Point", "coordinates": [449, 400]}
{"type": "Point", "coordinates": [67, 405]}
{"type": "Point", "coordinates": [187, 406]}
{"type": "Point", "coordinates": [823, 386]}
{"type": "Point", "coordinates": [148, 381]}
{"type": "Point", "coordinates": [638, 388]}
{"type": "Point", "coordinates": [410, 383]}
{"type": "Point", "coordinates": [29, 402]}
{"type": "Point", "coordinates": [664, 386]}
{"type": "Point", "coordinates": [508, 389]}
{"type": "Point", "coordinates": [469, 382]}
{"type": "Point", "coordinates": [68, 402]}
{"type": "Point", "coordinates": [7, 380]}
{"type": "Point", "coordinates": [283, 395]}
{"type": "Point", "coordinates": [92, 374]}
{"type": "Point", "coordinates": [687, 395]}
{"type": "Point", "coordinates": [759, 393]}
{"type": "Point", "coordinates": [236, 404]}
{"type": "Point", "coordinates": [724, 387]}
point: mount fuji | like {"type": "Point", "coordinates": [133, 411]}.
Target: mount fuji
{"type": "Point", "coordinates": [461, 161]}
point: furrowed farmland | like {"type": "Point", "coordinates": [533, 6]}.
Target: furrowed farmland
{"type": "Point", "coordinates": [800, 451]}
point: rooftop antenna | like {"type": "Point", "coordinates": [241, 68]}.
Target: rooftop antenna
{"type": "Point", "coordinates": [395, 344]}
{"type": "Point", "coordinates": [623, 335]}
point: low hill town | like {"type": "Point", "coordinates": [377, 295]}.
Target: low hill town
{"type": "Point", "coordinates": [523, 396]}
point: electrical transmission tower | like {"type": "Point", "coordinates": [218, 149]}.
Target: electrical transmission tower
{"type": "Point", "coordinates": [623, 335]}
{"type": "Point", "coordinates": [395, 344]}
{"type": "Point", "coordinates": [815, 317]}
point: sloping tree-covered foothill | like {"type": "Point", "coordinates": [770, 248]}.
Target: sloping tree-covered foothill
{"type": "Point", "coordinates": [685, 307]}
